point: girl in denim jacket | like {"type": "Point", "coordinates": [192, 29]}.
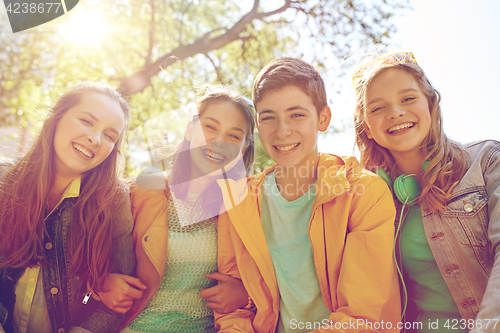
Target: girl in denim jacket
{"type": "Point", "coordinates": [448, 232]}
{"type": "Point", "coordinates": [65, 218]}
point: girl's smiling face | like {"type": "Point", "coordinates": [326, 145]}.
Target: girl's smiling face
{"type": "Point", "coordinates": [397, 114]}
{"type": "Point", "coordinates": [86, 134]}
{"type": "Point", "coordinates": [217, 138]}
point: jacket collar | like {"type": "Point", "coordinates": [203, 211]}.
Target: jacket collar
{"type": "Point", "coordinates": [333, 173]}
{"type": "Point", "coordinates": [333, 170]}
{"type": "Point", "coordinates": [243, 201]}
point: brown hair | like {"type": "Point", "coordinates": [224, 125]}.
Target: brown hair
{"type": "Point", "coordinates": [448, 162]}
{"type": "Point", "coordinates": [282, 72]}
{"type": "Point", "coordinates": [24, 192]}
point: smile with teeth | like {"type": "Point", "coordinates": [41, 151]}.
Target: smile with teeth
{"type": "Point", "coordinates": [213, 156]}
{"type": "Point", "coordinates": [286, 148]}
{"type": "Point", "coordinates": [84, 151]}
{"type": "Point", "coordinates": [400, 127]}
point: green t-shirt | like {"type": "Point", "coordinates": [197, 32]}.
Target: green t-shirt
{"type": "Point", "coordinates": [430, 301]}
{"type": "Point", "coordinates": [286, 227]}
{"type": "Point", "coordinates": [192, 252]}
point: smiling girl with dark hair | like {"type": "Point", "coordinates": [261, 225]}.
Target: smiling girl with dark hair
{"type": "Point", "coordinates": [175, 218]}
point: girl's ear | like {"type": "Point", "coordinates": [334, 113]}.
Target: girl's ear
{"type": "Point", "coordinates": [324, 119]}
{"type": "Point", "coordinates": [367, 131]}
{"type": "Point", "coordinates": [244, 150]}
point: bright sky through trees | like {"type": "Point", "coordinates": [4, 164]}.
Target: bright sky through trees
{"type": "Point", "coordinates": [456, 43]}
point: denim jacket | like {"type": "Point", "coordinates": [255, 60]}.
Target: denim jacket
{"type": "Point", "coordinates": [64, 294]}
{"type": "Point", "coordinates": [465, 238]}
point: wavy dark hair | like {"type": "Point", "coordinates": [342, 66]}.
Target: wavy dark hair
{"type": "Point", "coordinates": [24, 191]}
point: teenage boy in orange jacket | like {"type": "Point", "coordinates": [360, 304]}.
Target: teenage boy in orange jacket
{"type": "Point", "coordinates": [312, 237]}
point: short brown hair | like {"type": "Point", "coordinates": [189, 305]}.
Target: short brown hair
{"type": "Point", "coordinates": [282, 72]}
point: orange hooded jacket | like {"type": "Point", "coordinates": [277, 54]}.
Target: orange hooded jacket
{"type": "Point", "coordinates": [352, 236]}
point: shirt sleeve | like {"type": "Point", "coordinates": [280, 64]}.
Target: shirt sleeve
{"type": "Point", "coordinates": [488, 318]}
{"type": "Point", "coordinates": [103, 319]}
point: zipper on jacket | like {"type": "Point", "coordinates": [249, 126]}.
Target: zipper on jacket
{"type": "Point", "coordinates": [87, 297]}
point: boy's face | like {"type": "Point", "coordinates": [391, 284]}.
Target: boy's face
{"type": "Point", "coordinates": [288, 126]}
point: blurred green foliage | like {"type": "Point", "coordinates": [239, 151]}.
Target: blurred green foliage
{"type": "Point", "coordinates": [162, 46]}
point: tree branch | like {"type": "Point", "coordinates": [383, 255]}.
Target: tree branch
{"type": "Point", "coordinates": [142, 79]}
{"type": "Point", "coordinates": [215, 67]}
{"type": "Point", "coordinates": [287, 5]}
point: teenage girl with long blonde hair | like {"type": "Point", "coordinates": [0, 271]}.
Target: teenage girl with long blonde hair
{"type": "Point", "coordinates": [447, 194]}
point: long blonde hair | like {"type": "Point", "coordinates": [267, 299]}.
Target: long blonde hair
{"type": "Point", "coordinates": [448, 162]}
